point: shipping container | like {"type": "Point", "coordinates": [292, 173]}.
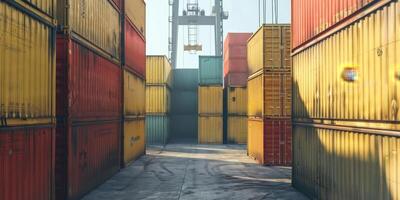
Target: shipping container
{"type": "Point", "coordinates": [210, 129]}
{"type": "Point", "coordinates": [236, 129]}
{"type": "Point", "coordinates": [43, 9]}
{"type": "Point", "coordinates": [354, 74]}
{"type": "Point", "coordinates": [88, 85]}
{"type": "Point", "coordinates": [210, 100]}
{"type": "Point", "coordinates": [158, 70]}
{"type": "Point", "coordinates": [95, 22]}
{"type": "Point", "coordinates": [87, 155]}
{"type": "Point", "coordinates": [270, 141]}
{"type": "Point", "coordinates": [236, 101]}
{"type": "Point", "coordinates": [133, 139]}
{"type": "Point", "coordinates": [27, 63]}
{"type": "Point", "coordinates": [337, 162]}
{"type": "Point", "coordinates": [157, 129]}
{"type": "Point", "coordinates": [134, 95]}
{"type": "Point", "coordinates": [184, 127]}
{"type": "Point", "coordinates": [136, 12]}
{"type": "Point", "coordinates": [236, 79]}
{"type": "Point", "coordinates": [158, 99]}
{"type": "Point", "coordinates": [311, 18]}
{"type": "Point", "coordinates": [270, 95]}
{"type": "Point", "coordinates": [27, 157]}
{"type": "Point", "coordinates": [269, 48]}
{"type": "Point", "coordinates": [184, 102]}
{"type": "Point", "coordinates": [134, 49]}
{"type": "Point", "coordinates": [235, 53]}
{"type": "Point", "coordinates": [118, 3]}
{"type": "Point", "coordinates": [186, 79]}
{"type": "Point", "coordinates": [210, 70]}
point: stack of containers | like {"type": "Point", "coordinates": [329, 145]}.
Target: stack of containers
{"type": "Point", "coordinates": [88, 96]}
{"type": "Point", "coordinates": [158, 99]}
{"type": "Point", "coordinates": [210, 97]}
{"type": "Point", "coordinates": [346, 133]}
{"type": "Point", "coordinates": [134, 83]}
{"type": "Point", "coordinates": [27, 99]}
{"type": "Point", "coordinates": [269, 95]}
{"type": "Point", "coordinates": [235, 87]}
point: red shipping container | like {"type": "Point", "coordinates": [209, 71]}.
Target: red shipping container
{"type": "Point", "coordinates": [87, 155]}
{"type": "Point", "coordinates": [311, 18]}
{"type": "Point", "coordinates": [135, 50]}
{"type": "Point", "coordinates": [88, 85]}
{"type": "Point", "coordinates": [118, 3]}
{"type": "Point", "coordinates": [27, 163]}
{"type": "Point", "coordinates": [236, 79]}
{"type": "Point", "coordinates": [235, 53]}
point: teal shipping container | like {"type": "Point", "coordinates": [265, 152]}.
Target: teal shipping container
{"type": "Point", "coordinates": [157, 129]}
{"type": "Point", "coordinates": [210, 70]}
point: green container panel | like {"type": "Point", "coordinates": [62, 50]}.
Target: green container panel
{"type": "Point", "coordinates": [157, 129]}
{"type": "Point", "coordinates": [210, 70]}
{"type": "Point", "coordinates": [184, 102]}
{"type": "Point", "coordinates": [184, 127]}
{"type": "Point", "coordinates": [186, 79]}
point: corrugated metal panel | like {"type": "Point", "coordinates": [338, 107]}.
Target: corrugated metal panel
{"type": "Point", "coordinates": [134, 139]}
{"type": "Point", "coordinates": [210, 70]}
{"type": "Point", "coordinates": [370, 48]}
{"type": "Point", "coordinates": [184, 102]}
{"type": "Point", "coordinates": [236, 80]}
{"type": "Point", "coordinates": [210, 100]}
{"type": "Point", "coordinates": [235, 53]}
{"type": "Point", "coordinates": [135, 50]}
{"type": "Point", "coordinates": [330, 163]}
{"type": "Point", "coordinates": [255, 138]}
{"type": "Point", "coordinates": [237, 129]}
{"type": "Point", "coordinates": [186, 79]}
{"type": "Point", "coordinates": [310, 17]}
{"type": "Point", "coordinates": [158, 70]}
{"type": "Point", "coordinates": [27, 163]}
{"type": "Point", "coordinates": [136, 11]}
{"type": "Point", "coordinates": [96, 21]}
{"type": "Point", "coordinates": [184, 126]}
{"type": "Point", "coordinates": [255, 96]}
{"type": "Point", "coordinates": [134, 95]}
{"type": "Point", "coordinates": [27, 69]}
{"type": "Point", "coordinates": [270, 48]}
{"type": "Point", "coordinates": [88, 85]}
{"type": "Point", "coordinates": [158, 99]}
{"type": "Point", "coordinates": [43, 8]}
{"type": "Point", "coordinates": [210, 130]}
{"type": "Point", "coordinates": [93, 156]}
{"type": "Point", "coordinates": [237, 101]}
{"type": "Point", "coordinates": [157, 129]}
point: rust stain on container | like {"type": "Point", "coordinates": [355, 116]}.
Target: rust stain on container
{"type": "Point", "coordinates": [136, 12]}
{"type": "Point", "coordinates": [27, 158]}
{"type": "Point", "coordinates": [134, 50]}
{"type": "Point", "coordinates": [133, 139]}
{"type": "Point", "coordinates": [134, 95]}
{"type": "Point", "coordinates": [44, 9]}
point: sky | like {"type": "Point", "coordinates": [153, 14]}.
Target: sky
{"type": "Point", "coordinates": [243, 17]}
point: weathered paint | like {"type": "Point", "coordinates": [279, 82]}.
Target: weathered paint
{"type": "Point", "coordinates": [133, 139]}
{"type": "Point", "coordinates": [370, 46]}
{"type": "Point", "coordinates": [237, 129]}
{"type": "Point", "coordinates": [136, 11]}
{"type": "Point", "coordinates": [134, 50]}
{"type": "Point", "coordinates": [269, 48]}
{"type": "Point", "coordinates": [334, 163]}
{"type": "Point", "coordinates": [134, 95]}
{"type": "Point", "coordinates": [236, 79]}
{"type": "Point", "coordinates": [96, 22]}
{"type": "Point", "coordinates": [210, 130]}
{"type": "Point", "coordinates": [45, 9]}
{"type": "Point", "coordinates": [27, 157]}
{"type": "Point", "coordinates": [186, 79]}
{"type": "Point", "coordinates": [88, 85]}
{"type": "Point", "coordinates": [210, 100]}
{"type": "Point", "coordinates": [236, 101]}
{"type": "Point", "coordinates": [270, 95]}
{"type": "Point", "coordinates": [87, 155]}
{"type": "Point", "coordinates": [210, 70]}
{"type": "Point", "coordinates": [235, 53]}
{"type": "Point", "coordinates": [158, 70]}
{"type": "Point", "coordinates": [270, 141]}
{"type": "Point", "coordinates": [158, 99]}
{"type": "Point", "coordinates": [27, 69]}
{"type": "Point", "coordinates": [157, 129]}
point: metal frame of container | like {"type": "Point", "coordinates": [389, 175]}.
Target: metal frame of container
{"type": "Point", "coordinates": [46, 14]}
{"type": "Point", "coordinates": [211, 74]}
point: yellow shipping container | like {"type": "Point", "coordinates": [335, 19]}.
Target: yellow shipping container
{"type": "Point", "coordinates": [134, 139]}
{"type": "Point", "coordinates": [210, 99]}
{"type": "Point", "coordinates": [45, 9]}
{"type": "Point", "coordinates": [269, 48]}
{"type": "Point", "coordinates": [94, 22]}
{"type": "Point", "coordinates": [255, 140]}
{"type": "Point", "coordinates": [237, 100]}
{"type": "Point", "coordinates": [134, 95]}
{"type": "Point", "coordinates": [237, 129]}
{"type": "Point", "coordinates": [158, 99]}
{"type": "Point", "coordinates": [158, 70]}
{"type": "Point", "coordinates": [255, 96]}
{"type": "Point", "coordinates": [136, 11]}
{"type": "Point", "coordinates": [27, 69]}
{"type": "Point", "coordinates": [210, 130]}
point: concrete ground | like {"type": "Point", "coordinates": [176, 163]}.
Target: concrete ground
{"type": "Point", "coordinates": [180, 172]}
